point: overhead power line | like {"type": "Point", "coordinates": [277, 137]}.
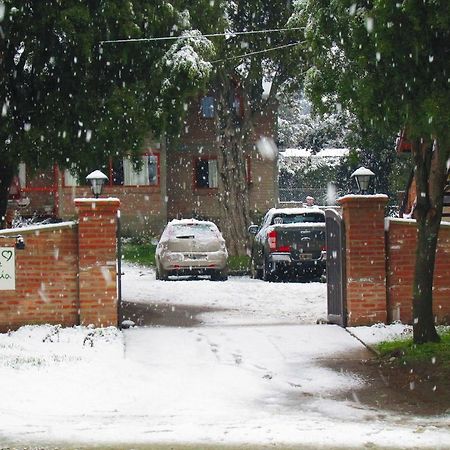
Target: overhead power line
{"type": "Point", "coordinates": [256, 52]}
{"type": "Point", "coordinates": [228, 34]}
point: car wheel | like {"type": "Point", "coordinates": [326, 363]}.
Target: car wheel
{"type": "Point", "coordinates": [266, 273]}
{"type": "Point", "coordinates": [318, 276]}
{"type": "Point", "coordinates": [161, 274]}
{"type": "Point", "coordinates": [219, 276]}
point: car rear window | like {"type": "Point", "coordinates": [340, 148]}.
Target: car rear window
{"type": "Point", "coordinates": [298, 218]}
{"type": "Point", "coordinates": [195, 229]}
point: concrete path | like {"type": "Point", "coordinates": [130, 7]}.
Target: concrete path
{"type": "Point", "coordinates": [248, 384]}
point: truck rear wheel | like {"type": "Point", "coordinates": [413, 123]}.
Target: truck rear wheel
{"type": "Point", "coordinates": [266, 272]}
{"type": "Point", "coordinates": [256, 273]}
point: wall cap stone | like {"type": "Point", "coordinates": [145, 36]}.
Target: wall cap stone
{"type": "Point", "coordinates": [96, 200]}
{"type": "Point", "coordinates": [407, 222]}
{"type": "Point", "coordinates": [350, 198]}
{"type": "Point", "coordinates": [91, 204]}
{"type": "Point", "coordinates": [37, 227]}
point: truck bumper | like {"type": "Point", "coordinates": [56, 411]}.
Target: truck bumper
{"type": "Point", "coordinates": [283, 262]}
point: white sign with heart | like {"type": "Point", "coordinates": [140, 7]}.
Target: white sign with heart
{"type": "Point", "coordinates": [7, 269]}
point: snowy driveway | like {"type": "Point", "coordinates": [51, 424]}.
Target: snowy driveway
{"type": "Point", "coordinates": [238, 301]}
{"type": "Point", "coordinates": [254, 373]}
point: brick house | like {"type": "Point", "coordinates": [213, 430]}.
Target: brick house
{"type": "Point", "coordinates": [179, 179]}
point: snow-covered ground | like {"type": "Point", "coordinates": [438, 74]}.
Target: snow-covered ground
{"type": "Point", "coordinates": [252, 373]}
{"type": "Point", "coordinates": [240, 300]}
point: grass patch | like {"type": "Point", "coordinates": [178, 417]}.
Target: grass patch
{"type": "Point", "coordinates": [241, 263]}
{"type": "Point", "coordinates": [409, 353]}
{"type": "Point", "coordinates": [143, 254]}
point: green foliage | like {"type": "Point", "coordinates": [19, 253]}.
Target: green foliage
{"type": "Point", "coordinates": [408, 352]}
{"type": "Point", "coordinates": [386, 61]}
{"type": "Point", "coordinates": [143, 254]}
{"type": "Point", "coordinates": [71, 99]}
{"type": "Point", "coordinates": [300, 127]}
{"type": "Point", "coordinates": [239, 263]}
{"type": "Point", "coordinates": [374, 149]}
{"type": "Point", "coordinates": [369, 146]}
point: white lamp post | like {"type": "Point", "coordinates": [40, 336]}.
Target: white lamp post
{"type": "Point", "coordinates": [97, 179]}
{"type": "Point", "coordinates": [362, 177]}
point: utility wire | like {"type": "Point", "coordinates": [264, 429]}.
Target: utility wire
{"type": "Point", "coordinates": [172, 38]}
{"type": "Point", "coordinates": [256, 53]}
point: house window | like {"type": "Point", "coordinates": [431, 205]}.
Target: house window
{"type": "Point", "coordinates": [207, 107]}
{"type": "Point", "coordinates": [22, 170]}
{"type": "Point", "coordinates": [124, 172]}
{"type": "Point", "coordinates": [206, 173]}
{"type": "Point", "coordinates": [116, 171]}
{"type": "Point", "coordinates": [153, 169]}
{"type": "Point", "coordinates": [71, 178]}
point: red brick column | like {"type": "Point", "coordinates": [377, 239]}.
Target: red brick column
{"type": "Point", "coordinates": [97, 260]}
{"type": "Point", "coordinates": [365, 258]}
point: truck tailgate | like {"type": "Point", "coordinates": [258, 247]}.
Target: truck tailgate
{"type": "Point", "coordinates": [305, 241]}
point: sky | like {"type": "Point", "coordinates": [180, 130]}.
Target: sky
{"type": "Point", "coordinates": [250, 373]}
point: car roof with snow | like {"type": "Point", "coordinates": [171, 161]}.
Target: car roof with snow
{"type": "Point", "coordinates": [191, 222]}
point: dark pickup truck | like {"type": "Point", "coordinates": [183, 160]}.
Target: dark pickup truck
{"type": "Point", "coordinates": [290, 241]}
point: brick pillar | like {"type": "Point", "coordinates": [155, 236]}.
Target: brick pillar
{"type": "Point", "coordinates": [365, 258]}
{"type": "Point", "coordinates": [97, 224]}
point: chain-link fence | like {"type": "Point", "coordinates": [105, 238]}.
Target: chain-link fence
{"type": "Point", "coordinates": [300, 194]}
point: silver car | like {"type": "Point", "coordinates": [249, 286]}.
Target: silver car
{"type": "Point", "coordinates": [191, 247]}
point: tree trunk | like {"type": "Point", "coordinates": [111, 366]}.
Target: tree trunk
{"type": "Point", "coordinates": [431, 175]}
{"type": "Point", "coordinates": [233, 132]}
{"type": "Point", "coordinates": [424, 326]}
{"type": "Point", "coordinates": [6, 176]}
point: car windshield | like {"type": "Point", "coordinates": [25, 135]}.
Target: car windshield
{"type": "Point", "coordinates": [298, 218]}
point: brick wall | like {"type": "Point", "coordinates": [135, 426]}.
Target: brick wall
{"type": "Point", "coordinates": [401, 239]}
{"type": "Point", "coordinates": [143, 208]}
{"type": "Point", "coordinates": [263, 192]}
{"type": "Point", "coordinates": [46, 277]}
{"type": "Point", "coordinates": [66, 274]}
{"type": "Point", "coordinates": [198, 138]}
{"type": "Point", "coordinates": [380, 261]}
{"type": "Point", "coordinates": [365, 258]}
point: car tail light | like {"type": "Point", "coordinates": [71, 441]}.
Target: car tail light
{"type": "Point", "coordinates": [272, 240]}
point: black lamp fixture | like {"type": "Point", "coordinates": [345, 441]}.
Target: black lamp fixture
{"type": "Point", "coordinates": [97, 179]}
{"type": "Point", "coordinates": [362, 177]}
{"type": "Point", "coordinates": [20, 243]}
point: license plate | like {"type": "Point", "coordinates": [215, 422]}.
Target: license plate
{"type": "Point", "coordinates": [304, 256]}
{"type": "Point", "coordinates": [196, 256]}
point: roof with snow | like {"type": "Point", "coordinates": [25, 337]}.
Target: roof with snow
{"type": "Point", "coordinates": [305, 153]}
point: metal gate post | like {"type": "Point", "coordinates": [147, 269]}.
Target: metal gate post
{"type": "Point", "coordinates": [336, 277]}
{"type": "Point", "coordinates": [119, 271]}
